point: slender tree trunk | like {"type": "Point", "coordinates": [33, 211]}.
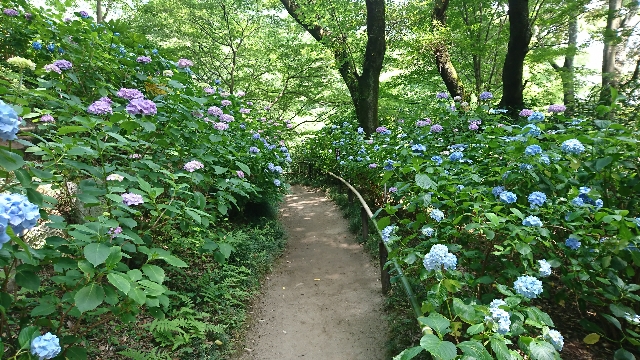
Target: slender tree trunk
{"type": "Point", "coordinates": [567, 71]}
{"type": "Point", "coordinates": [441, 52]}
{"type": "Point", "coordinates": [512, 71]}
{"type": "Point", "coordinates": [609, 76]}
{"type": "Point", "coordinates": [363, 88]}
{"type": "Point", "coordinates": [99, 15]}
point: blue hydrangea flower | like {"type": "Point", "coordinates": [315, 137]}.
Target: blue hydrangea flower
{"type": "Point", "coordinates": [528, 286]}
{"type": "Point", "coordinates": [599, 203]}
{"type": "Point", "coordinates": [500, 319]}
{"type": "Point", "coordinates": [51, 47]}
{"type": "Point", "coordinates": [427, 231]}
{"type": "Point", "coordinates": [532, 130]}
{"type": "Point", "coordinates": [20, 213]}
{"type": "Point", "coordinates": [486, 96]}
{"type": "Point", "coordinates": [387, 232]}
{"type": "Point", "coordinates": [418, 148]}
{"type": "Point", "coordinates": [284, 149]}
{"type": "Point", "coordinates": [545, 268]}
{"type": "Point", "coordinates": [497, 190]}
{"type": "Point", "coordinates": [555, 338]}
{"type": "Point", "coordinates": [276, 182]}
{"type": "Point", "coordinates": [154, 51]}
{"type": "Point", "coordinates": [456, 156]}
{"type": "Point", "coordinates": [544, 159]}
{"type": "Point", "coordinates": [525, 167]}
{"type": "Point", "coordinates": [37, 45]}
{"type": "Point", "coordinates": [360, 130]}
{"type": "Point", "coordinates": [46, 346]}
{"type": "Point", "coordinates": [460, 187]}
{"type": "Point", "coordinates": [577, 201]}
{"type": "Point", "coordinates": [437, 159]}
{"type": "Point", "coordinates": [532, 221]}
{"type": "Point", "coordinates": [255, 136]}
{"type": "Point", "coordinates": [508, 197]}
{"type": "Point", "coordinates": [4, 223]}
{"type": "Point", "coordinates": [438, 256]}
{"type": "Point", "coordinates": [9, 122]}
{"type": "Point", "coordinates": [436, 215]}
{"type": "Point", "coordinates": [458, 147]}
{"type": "Point", "coordinates": [572, 243]}
{"type": "Point", "coordinates": [537, 198]}
{"type": "Point", "coordinates": [572, 146]}
{"type": "Point", "coordinates": [584, 189]}
{"type": "Point", "coordinates": [254, 150]}
{"type": "Point", "coordinates": [637, 221]}
{"type": "Point", "coordinates": [536, 117]}
{"type": "Point", "coordinates": [388, 165]}
{"type": "Point", "coordinates": [533, 150]}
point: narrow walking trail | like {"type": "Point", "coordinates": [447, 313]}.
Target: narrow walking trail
{"type": "Point", "coordinates": [323, 300]}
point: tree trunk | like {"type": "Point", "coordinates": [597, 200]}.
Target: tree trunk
{"type": "Point", "coordinates": [512, 71]}
{"type": "Point", "coordinates": [441, 52]}
{"type": "Point", "coordinates": [99, 15]}
{"type": "Point", "coordinates": [567, 71]}
{"type": "Point", "coordinates": [363, 88]}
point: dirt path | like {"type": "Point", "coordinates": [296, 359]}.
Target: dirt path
{"type": "Point", "coordinates": [323, 301]}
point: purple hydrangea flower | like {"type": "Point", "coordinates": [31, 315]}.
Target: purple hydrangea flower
{"type": "Point", "coordinates": [473, 126]}
{"type": "Point", "coordinates": [220, 126]}
{"type": "Point", "coordinates": [184, 63]}
{"type": "Point", "coordinates": [115, 231]}
{"type": "Point", "coordinates": [240, 174]}
{"type": "Point", "coordinates": [436, 128]}
{"type": "Point", "coordinates": [226, 118]}
{"type": "Point", "coordinates": [84, 14]}
{"type": "Point", "coordinates": [51, 67]}
{"type": "Point", "coordinates": [393, 189]}
{"type": "Point", "coordinates": [132, 199]}
{"type": "Point", "coordinates": [254, 150]}
{"type": "Point", "coordinates": [100, 108]}
{"type": "Point", "coordinates": [63, 64]}
{"type": "Point", "coordinates": [381, 130]}
{"type": "Point", "coordinates": [11, 12]}
{"type": "Point", "coordinates": [526, 112]}
{"type": "Point", "coordinates": [276, 182]}
{"type": "Point", "coordinates": [214, 110]}
{"type": "Point", "coordinates": [486, 96]}
{"type": "Point", "coordinates": [225, 102]}
{"type": "Point", "coordinates": [47, 119]}
{"type": "Point", "coordinates": [244, 111]}
{"type": "Point", "coordinates": [193, 165]}
{"type": "Point", "coordinates": [143, 59]}
{"type": "Point", "coordinates": [129, 94]}
{"type": "Point", "coordinates": [442, 95]}
{"type": "Point", "coordinates": [209, 90]}
{"type": "Point", "coordinates": [373, 166]}
{"type": "Point", "coordinates": [423, 122]}
{"type": "Point", "coordinates": [141, 106]}
{"type": "Point", "coordinates": [557, 108]}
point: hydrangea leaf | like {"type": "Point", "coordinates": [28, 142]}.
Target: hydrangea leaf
{"type": "Point", "coordinates": [409, 354]}
{"type": "Point", "coordinates": [466, 312]}
{"type": "Point", "coordinates": [437, 322]}
{"type": "Point", "coordinates": [424, 181]}
{"type": "Point", "coordinates": [10, 161]}
{"type": "Point", "coordinates": [622, 354]}
{"type": "Point", "coordinates": [89, 297]}
{"type": "Point", "coordinates": [443, 350]}
{"type": "Point", "coordinates": [121, 282]}
{"type": "Point", "coordinates": [154, 273]}
{"type": "Point", "coordinates": [542, 350]}
{"type": "Point", "coordinates": [591, 339]}
{"type": "Point", "coordinates": [96, 253]}
{"type": "Point", "coordinates": [500, 349]}
{"type": "Point", "coordinates": [475, 350]}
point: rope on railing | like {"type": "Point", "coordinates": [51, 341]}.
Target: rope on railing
{"type": "Point", "coordinates": [384, 251]}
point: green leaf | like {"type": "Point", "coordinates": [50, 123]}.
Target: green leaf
{"type": "Point", "coordinates": [591, 339]}
{"type": "Point", "coordinates": [500, 349]}
{"type": "Point", "coordinates": [10, 161]}
{"type": "Point", "coordinates": [27, 335]}
{"type": "Point", "coordinates": [43, 310]}
{"type": "Point", "coordinates": [71, 129]}
{"type": "Point", "coordinates": [120, 282]}
{"type": "Point", "coordinates": [475, 350]}
{"type": "Point", "coordinates": [603, 163]}
{"type": "Point", "coordinates": [96, 253]}
{"type": "Point", "coordinates": [153, 272]}
{"type": "Point", "coordinates": [613, 320]}
{"type": "Point", "coordinates": [172, 260]}
{"type": "Point", "coordinates": [475, 329]}
{"type": "Point", "coordinates": [194, 215]}
{"type": "Point", "coordinates": [442, 350]}
{"type": "Point", "coordinates": [495, 220]}
{"type": "Point", "coordinates": [465, 312]}
{"type": "Point", "coordinates": [437, 322]}
{"type": "Point", "coordinates": [89, 297]}
{"type": "Point", "coordinates": [144, 186]}
{"type": "Point", "coordinates": [425, 182]}
{"type": "Point", "coordinates": [542, 350]}
{"type": "Point", "coordinates": [138, 295]}
{"type": "Point", "coordinates": [243, 167]}
{"type": "Point", "coordinates": [76, 353]}
{"type": "Point", "coordinates": [151, 288]}
{"type": "Point", "coordinates": [409, 354]}
{"type": "Point", "coordinates": [225, 249]}
{"type": "Point", "coordinates": [622, 354]}
{"type": "Point", "coordinates": [27, 277]}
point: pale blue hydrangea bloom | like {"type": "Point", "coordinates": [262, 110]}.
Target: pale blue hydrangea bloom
{"type": "Point", "coordinates": [637, 221]}
{"type": "Point", "coordinates": [497, 190]}
{"type": "Point", "coordinates": [46, 346]}
{"type": "Point", "coordinates": [456, 156]}
{"type": "Point", "coordinates": [387, 232]}
{"type": "Point", "coordinates": [500, 319]}
{"type": "Point", "coordinates": [599, 203]}
{"type": "Point", "coordinates": [437, 159]}
{"type": "Point", "coordinates": [577, 201]}
{"type": "Point", "coordinates": [254, 150]}
{"type": "Point", "coordinates": [536, 117]}
{"type": "Point", "coordinates": [634, 319]}
{"type": "Point", "coordinates": [545, 268]}
{"type": "Point", "coordinates": [584, 189]}
{"type": "Point", "coordinates": [525, 167]}
{"type": "Point", "coordinates": [555, 338]}
{"type": "Point", "coordinates": [533, 150]}
{"type": "Point", "coordinates": [418, 147]}
{"type": "Point", "coordinates": [360, 130]}
{"type": "Point", "coordinates": [528, 286]}
{"type": "Point", "coordinates": [532, 221]}
{"type": "Point", "coordinates": [536, 199]}
{"type": "Point", "coordinates": [18, 212]}
{"type": "Point", "coordinates": [532, 130]}
{"type": "Point", "coordinates": [439, 255]}
{"type": "Point", "coordinates": [572, 243]}
{"type": "Point", "coordinates": [508, 197]}
{"type": "Point", "coordinates": [9, 122]}
{"type": "Point", "coordinates": [427, 231]}
{"type": "Point", "coordinates": [572, 146]}
{"type": "Point", "coordinates": [460, 187]}
{"type": "Point", "coordinates": [276, 182]}
{"type": "Point", "coordinates": [437, 215]}
{"type": "Point", "coordinates": [544, 159]}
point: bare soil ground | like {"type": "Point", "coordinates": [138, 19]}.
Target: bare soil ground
{"type": "Point", "coordinates": [323, 300]}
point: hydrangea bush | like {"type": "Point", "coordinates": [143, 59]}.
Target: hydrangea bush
{"type": "Point", "coordinates": [541, 207]}
{"type": "Point", "coordinates": [121, 133]}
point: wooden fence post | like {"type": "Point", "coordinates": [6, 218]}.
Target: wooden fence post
{"type": "Point", "coordinates": [365, 224]}
{"type": "Point", "coordinates": [385, 278]}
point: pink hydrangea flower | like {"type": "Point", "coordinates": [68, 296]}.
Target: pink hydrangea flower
{"type": "Point", "coordinates": [184, 63]}
{"type": "Point", "coordinates": [244, 111]}
{"type": "Point", "coordinates": [226, 118]}
{"type": "Point", "coordinates": [193, 165]}
{"type": "Point", "coordinates": [143, 59]}
{"type": "Point", "coordinates": [526, 112]}
{"type": "Point", "coordinates": [240, 174]}
{"type": "Point", "coordinates": [47, 118]}
{"type": "Point", "coordinates": [214, 110]}
{"type": "Point", "coordinates": [51, 67]}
